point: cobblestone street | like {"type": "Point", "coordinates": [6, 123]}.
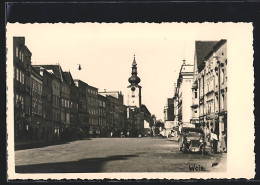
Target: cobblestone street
{"type": "Point", "coordinates": [116, 155]}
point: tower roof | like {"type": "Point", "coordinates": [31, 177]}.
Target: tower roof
{"type": "Point", "coordinates": [134, 79]}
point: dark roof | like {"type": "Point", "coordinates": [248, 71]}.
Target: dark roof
{"type": "Point", "coordinates": [145, 109]}
{"type": "Point", "coordinates": [202, 49]}
{"type": "Point", "coordinates": [68, 78]}
{"type": "Point", "coordinates": [56, 70]}
{"type": "Point", "coordinates": [36, 72]}
{"type": "Point", "coordinates": [36, 68]}
{"type": "Point", "coordinates": [26, 49]}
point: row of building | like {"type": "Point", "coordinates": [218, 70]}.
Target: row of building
{"type": "Point", "coordinates": [200, 96]}
{"type": "Point", "coordinates": [48, 101]}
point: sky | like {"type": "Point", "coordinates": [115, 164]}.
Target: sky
{"type": "Point", "coordinates": [105, 52]}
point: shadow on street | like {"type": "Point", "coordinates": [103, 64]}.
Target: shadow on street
{"type": "Point", "coordinates": [25, 146]}
{"type": "Point", "coordinates": [91, 165]}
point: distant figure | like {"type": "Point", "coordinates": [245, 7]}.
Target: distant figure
{"type": "Point", "coordinates": [223, 142]}
{"type": "Point", "coordinates": [111, 134]}
{"type": "Point", "coordinates": [214, 140]}
{"type": "Point", "coordinates": [128, 133]}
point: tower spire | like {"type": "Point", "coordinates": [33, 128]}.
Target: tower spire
{"type": "Point", "coordinates": [134, 62]}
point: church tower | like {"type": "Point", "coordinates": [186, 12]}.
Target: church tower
{"type": "Point", "coordinates": [134, 90]}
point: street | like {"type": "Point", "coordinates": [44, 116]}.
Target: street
{"type": "Point", "coordinates": [115, 155]}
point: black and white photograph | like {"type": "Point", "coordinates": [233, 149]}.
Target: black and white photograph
{"type": "Point", "coordinates": [130, 100]}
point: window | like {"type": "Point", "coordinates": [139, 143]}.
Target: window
{"type": "Point", "coordinates": [17, 52]}
{"type": "Point", "coordinates": [62, 102]}
{"type": "Point", "coordinates": [222, 76]}
{"type": "Point", "coordinates": [67, 117]}
{"type": "Point", "coordinates": [22, 57]}
{"type": "Point", "coordinates": [195, 93]}
{"type": "Point", "coordinates": [17, 74]}
{"type": "Point", "coordinates": [22, 79]}
{"type": "Point", "coordinates": [16, 99]}
{"type": "Point", "coordinates": [62, 116]}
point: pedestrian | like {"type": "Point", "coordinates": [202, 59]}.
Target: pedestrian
{"type": "Point", "coordinates": [111, 134]}
{"type": "Point", "coordinates": [214, 141]}
{"type": "Point", "coordinates": [223, 142]}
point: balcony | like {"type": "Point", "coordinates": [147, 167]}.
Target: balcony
{"type": "Point", "coordinates": [209, 92]}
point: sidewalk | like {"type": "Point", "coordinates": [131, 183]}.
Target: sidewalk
{"type": "Point", "coordinates": [220, 162]}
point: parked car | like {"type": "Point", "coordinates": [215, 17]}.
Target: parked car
{"type": "Point", "coordinates": [192, 139]}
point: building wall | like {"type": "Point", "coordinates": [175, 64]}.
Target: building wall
{"type": "Point", "coordinates": [186, 99]}
{"type": "Point", "coordinates": [48, 129]}
{"type": "Point", "coordinates": [74, 115]}
{"type": "Point", "coordinates": [82, 104]}
{"type": "Point", "coordinates": [133, 96]}
{"type": "Point", "coordinates": [102, 120]}
{"type": "Point", "coordinates": [22, 89]}
{"type": "Point", "coordinates": [37, 121]}
{"type": "Point", "coordinates": [183, 95]}
{"type": "Point", "coordinates": [212, 88]}
{"type": "Point", "coordinates": [56, 105]}
{"type": "Point", "coordinates": [92, 107]}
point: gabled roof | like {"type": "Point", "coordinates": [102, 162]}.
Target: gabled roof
{"type": "Point", "coordinates": [24, 47]}
{"type": "Point", "coordinates": [202, 49]}
{"type": "Point", "coordinates": [68, 78]}
{"type": "Point", "coordinates": [56, 70]}
{"type": "Point", "coordinates": [145, 109]}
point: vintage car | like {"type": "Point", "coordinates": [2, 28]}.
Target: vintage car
{"type": "Point", "coordinates": [192, 139]}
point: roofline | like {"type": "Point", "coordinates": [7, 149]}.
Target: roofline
{"type": "Point", "coordinates": [215, 48]}
{"type": "Point", "coordinates": [92, 87]}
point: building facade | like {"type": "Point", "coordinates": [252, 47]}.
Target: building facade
{"type": "Point", "coordinates": [117, 114]}
{"type": "Point", "coordinates": [82, 104]}
{"type": "Point", "coordinates": [210, 87]}
{"type": "Point", "coordinates": [22, 89]}
{"type": "Point", "coordinates": [73, 101]}
{"type": "Point", "coordinates": [92, 107]}
{"type": "Point", "coordinates": [169, 110]}
{"type": "Point", "coordinates": [38, 127]}
{"type": "Point", "coordinates": [102, 118]}
{"type": "Point", "coordinates": [183, 93]}
{"type": "Point", "coordinates": [49, 103]}
{"type": "Point", "coordinates": [55, 72]}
